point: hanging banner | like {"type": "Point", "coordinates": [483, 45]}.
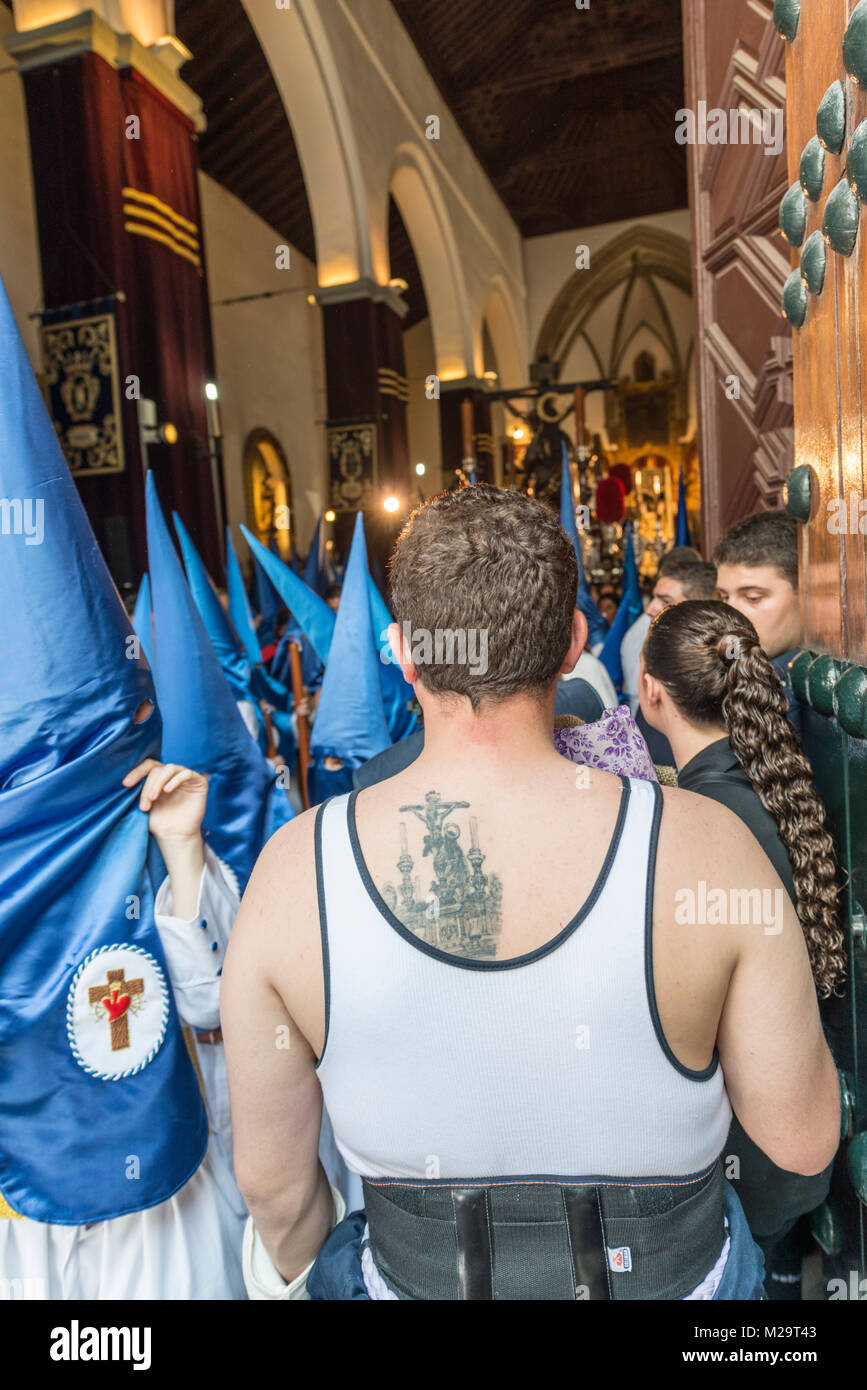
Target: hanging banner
{"type": "Point", "coordinates": [352, 459]}
{"type": "Point", "coordinates": [79, 358]}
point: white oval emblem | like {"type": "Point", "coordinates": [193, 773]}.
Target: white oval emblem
{"type": "Point", "coordinates": [117, 1011]}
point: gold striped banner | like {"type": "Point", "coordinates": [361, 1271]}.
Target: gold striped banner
{"type": "Point", "coordinates": [135, 195]}
{"type": "Point", "coordinates": [130, 210]}
{"type": "Point", "coordinates": [139, 229]}
{"type": "Point", "coordinates": [391, 383]}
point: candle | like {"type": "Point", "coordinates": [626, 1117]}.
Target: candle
{"type": "Point", "coordinates": [403, 845]}
{"type": "Point", "coordinates": [467, 428]}
{"type": "Point", "coordinates": [474, 832]}
{"type": "Point", "coordinates": [580, 436]}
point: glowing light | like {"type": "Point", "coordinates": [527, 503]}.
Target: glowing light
{"type": "Point", "coordinates": [391, 504]}
{"type": "Point", "coordinates": [518, 434]}
{"type": "Point", "coordinates": [420, 469]}
{"type": "Point", "coordinates": [492, 376]}
{"type": "Point", "coordinates": [170, 433]}
{"type": "Point", "coordinates": [211, 390]}
{"type": "Point", "coordinates": [329, 516]}
{"type": "Point", "coordinates": [311, 299]}
{"type": "Point", "coordinates": [398, 284]}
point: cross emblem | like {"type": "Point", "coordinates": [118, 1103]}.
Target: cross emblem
{"type": "Point", "coordinates": [116, 998]}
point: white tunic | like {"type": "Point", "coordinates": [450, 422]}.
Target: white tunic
{"type": "Point", "coordinates": [590, 669]}
{"type": "Point", "coordinates": [630, 658]}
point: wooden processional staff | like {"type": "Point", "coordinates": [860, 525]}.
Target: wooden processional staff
{"type": "Point", "coordinates": [300, 694]}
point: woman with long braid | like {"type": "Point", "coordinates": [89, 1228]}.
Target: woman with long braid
{"type": "Point", "coordinates": [708, 686]}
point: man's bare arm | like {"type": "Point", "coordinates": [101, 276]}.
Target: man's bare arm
{"type": "Point", "coordinates": [780, 1075]}
{"type": "Point", "coordinates": [275, 1095]}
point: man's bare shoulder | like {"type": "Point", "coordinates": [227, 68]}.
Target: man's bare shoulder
{"type": "Point", "coordinates": [291, 845]}
{"type": "Point", "coordinates": [699, 833]}
{"type": "Point", "coordinates": [284, 873]}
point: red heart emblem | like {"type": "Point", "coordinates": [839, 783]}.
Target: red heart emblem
{"type": "Point", "coordinates": [116, 1005]}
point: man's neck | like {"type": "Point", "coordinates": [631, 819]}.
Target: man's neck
{"type": "Point", "coordinates": [518, 731]}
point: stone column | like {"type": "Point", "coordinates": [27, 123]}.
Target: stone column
{"type": "Point", "coordinates": [115, 172]}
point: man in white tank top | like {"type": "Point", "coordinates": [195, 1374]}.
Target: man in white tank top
{"type": "Point", "coordinates": [530, 994]}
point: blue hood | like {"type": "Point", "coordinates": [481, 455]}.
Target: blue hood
{"type": "Point", "coordinates": [76, 894]}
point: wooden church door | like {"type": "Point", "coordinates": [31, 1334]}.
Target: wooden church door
{"type": "Point", "coordinates": [825, 300]}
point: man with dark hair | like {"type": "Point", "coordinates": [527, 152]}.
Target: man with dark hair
{"type": "Point", "coordinates": [682, 575]}
{"type": "Point", "coordinates": [678, 580]}
{"type": "Point", "coordinates": [672, 564]}
{"type": "Point", "coordinates": [757, 573]}
{"type": "Point", "coordinates": [459, 958]}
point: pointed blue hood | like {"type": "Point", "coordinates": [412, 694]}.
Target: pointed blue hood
{"type": "Point", "coordinates": [201, 724]}
{"type": "Point", "coordinates": [270, 605]}
{"type": "Point", "coordinates": [239, 605]}
{"type": "Point", "coordinates": [224, 639]}
{"type": "Point", "coordinates": [682, 533]}
{"type": "Point", "coordinates": [350, 721]}
{"type": "Point", "coordinates": [596, 624]}
{"type": "Point", "coordinates": [315, 571]}
{"type": "Point", "coordinates": [629, 609]}
{"type": "Point", "coordinates": [395, 691]}
{"type": "Point", "coordinates": [311, 612]}
{"type": "Point", "coordinates": [631, 582]}
{"type": "Point", "coordinates": [142, 620]}
{"type": "Point", "coordinates": [76, 895]}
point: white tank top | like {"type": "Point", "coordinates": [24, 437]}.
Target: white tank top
{"type": "Point", "coordinates": [550, 1064]}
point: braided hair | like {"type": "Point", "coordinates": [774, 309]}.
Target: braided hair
{"type": "Point", "coordinates": [707, 656]}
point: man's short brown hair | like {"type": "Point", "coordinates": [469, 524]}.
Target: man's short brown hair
{"type": "Point", "coordinates": [483, 559]}
{"type": "Point", "coordinates": [679, 554]}
{"type": "Point", "coordinates": [765, 538]}
{"type": "Point", "coordinates": [696, 577]}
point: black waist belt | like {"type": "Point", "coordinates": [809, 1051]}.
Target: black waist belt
{"type": "Point", "coordinates": [546, 1239]}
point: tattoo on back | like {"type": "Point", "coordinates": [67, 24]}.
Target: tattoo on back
{"type": "Point", "coordinates": [458, 908]}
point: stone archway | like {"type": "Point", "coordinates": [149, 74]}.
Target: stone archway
{"type": "Point", "coordinates": [268, 492]}
{"type": "Point", "coordinates": [508, 341]}
{"type": "Point", "coordinates": [642, 251]}
{"type": "Point", "coordinates": [420, 201]}
{"type": "Point", "coordinates": [296, 45]}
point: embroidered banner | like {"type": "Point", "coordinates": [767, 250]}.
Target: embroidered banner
{"type": "Point", "coordinates": [352, 458]}
{"type": "Point", "coordinates": [81, 375]}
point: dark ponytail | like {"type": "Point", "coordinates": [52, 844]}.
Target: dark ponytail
{"type": "Point", "coordinates": [708, 657]}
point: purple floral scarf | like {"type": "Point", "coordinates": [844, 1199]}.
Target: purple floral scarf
{"type": "Point", "coordinates": [613, 743]}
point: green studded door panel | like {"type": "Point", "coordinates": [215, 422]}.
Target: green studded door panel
{"type": "Point", "coordinates": [825, 299]}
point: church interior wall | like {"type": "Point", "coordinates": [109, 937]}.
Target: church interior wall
{"type": "Point", "coordinates": [269, 352]}
{"type": "Point", "coordinates": [614, 334]}
{"type": "Point", "coordinates": [422, 415]}
{"type": "Point", "coordinates": [373, 54]}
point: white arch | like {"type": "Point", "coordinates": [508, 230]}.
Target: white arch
{"type": "Point", "coordinates": [419, 198]}
{"type": "Point", "coordinates": [300, 57]}
{"type": "Point", "coordinates": [504, 327]}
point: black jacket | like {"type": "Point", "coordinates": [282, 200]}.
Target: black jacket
{"type": "Point", "coordinates": [772, 1198]}
{"type": "Point", "coordinates": [716, 772]}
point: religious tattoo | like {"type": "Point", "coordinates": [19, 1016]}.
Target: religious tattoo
{"type": "Point", "coordinates": [460, 910]}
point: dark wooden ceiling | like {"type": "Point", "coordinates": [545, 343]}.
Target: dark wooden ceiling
{"type": "Point", "coordinates": [571, 112]}
{"type": "Point", "coordinates": [248, 145]}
